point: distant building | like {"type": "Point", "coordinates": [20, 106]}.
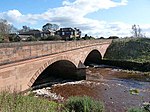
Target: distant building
{"type": "Point", "coordinates": [69, 33]}
{"type": "Point", "coordinates": [65, 33]}
{"type": "Point", "coordinates": [35, 33]}
{"type": "Point", "coordinates": [23, 37]}
{"type": "Point", "coordinates": [38, 33]}
{"type": "Point", "coordinates": [49, 33]}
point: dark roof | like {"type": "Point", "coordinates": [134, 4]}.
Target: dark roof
{"type": "Point", "coordinates": [30, 32]}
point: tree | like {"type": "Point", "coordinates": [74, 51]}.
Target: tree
{"type": "Point", "coordinates": [24, 29]}
{"type": "Point", "coordinates": [55, 27]}
{"type": "Point", "coordinates": [49, 26]}
{"type": "Point", "coordinates": [5, 29]}
{"type": "Point", "coordinates": [86, 37]}
{"type": "Point", "coordinates": [137, 31]}
{"type": "Point", "coordinates": [113, 37]}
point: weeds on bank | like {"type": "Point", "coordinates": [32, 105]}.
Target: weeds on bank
{"type": "Point", "coordinates": [83, 104]}
{"type": "Point", "coordinates": [13, 102]}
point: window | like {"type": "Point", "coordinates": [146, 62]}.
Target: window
{"type": "Point", "coordinates": [63, 33]}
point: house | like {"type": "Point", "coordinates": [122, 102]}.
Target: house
{"type": "Point", "coordinates": [35, 33]}
{"type": "Point", "coordinates": [49, 33]}
{"type": "Point", "coordinates": [69, 33]}
{"type": "Point", "coordinates": [23, 37]}
{"type": "Point", "coordinates": [38, 33]}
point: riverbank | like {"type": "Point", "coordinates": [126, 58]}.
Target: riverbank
{"type": "Point", "coordinates": [114, 87]}
{"type": "Point", "coordinates": [118, 89]}
{"type": "Point", "coordinates": [129, 53]}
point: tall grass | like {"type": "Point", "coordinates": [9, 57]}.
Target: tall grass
{"type": "Point", "coordinates": [83, 104]}
{"type": "Point", "coordinates": [13, 102]}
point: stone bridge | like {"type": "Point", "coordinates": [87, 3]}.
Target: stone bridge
{"type": "Point", "coordinates": [23, 65]}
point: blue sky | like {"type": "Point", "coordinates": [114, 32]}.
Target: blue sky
{"type": "Point", "coordinates": [95, 17]}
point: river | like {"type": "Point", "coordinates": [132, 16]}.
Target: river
{"type": "Point", "coordinates": [114, 87]}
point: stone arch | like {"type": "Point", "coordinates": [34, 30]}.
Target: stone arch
{"type": "Point", "coordinates": [48, 63]}
{"type": "Point", "coordinates": [94, 56]}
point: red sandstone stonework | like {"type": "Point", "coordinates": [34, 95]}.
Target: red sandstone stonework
{"type": "Point", "coordinates": [21, 64]}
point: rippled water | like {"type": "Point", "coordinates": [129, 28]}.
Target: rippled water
{"type": "Point", "coordinates": [111, 86]}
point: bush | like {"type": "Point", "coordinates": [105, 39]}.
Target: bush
{"type": "Point", "coordinates": [83, 104]}
{"type": "Point", "coordinates": [53, 37]}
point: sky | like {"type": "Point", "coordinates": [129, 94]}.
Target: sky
{"type": "Point", "coordinates": [93, 17]}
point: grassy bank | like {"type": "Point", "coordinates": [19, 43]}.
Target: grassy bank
{"type": "Point", "coordinates": [18, 103]}
{"type": "Point", "coordinates": [129, 53]}
{"type": "Point", "coordinates": [13, 102]}
{"type": "Point", "coordinates": [129, 49]}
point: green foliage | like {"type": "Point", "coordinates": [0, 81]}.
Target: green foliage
{"type": "Point", "coordinates": [88, 38]}
{"type": "Point", "coordinates": [32, 38]}
{"type": "Point", "coordinates": [19, 103]}
{"type": "Point", "coordinates": [83, 104]}
{"type": "Point", "coordinates": [14, 38]}
{"type": "Point", "coordinates": [49, 26]}
{"type": "Point", "coordinates": [129, 49]}
{"type": "Point", "coordinates": [113, 37]}
{"type": "Point", "coordinates": [134, 91]}
{"type": "Point", "coordinates": [1, 38]}
{"type": "Point", "coordinates": [53, 37]}
{"type": "Point", "coordinates": [137, 110]}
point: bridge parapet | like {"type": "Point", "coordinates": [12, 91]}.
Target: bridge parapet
{"type": "Point", "coordinates": [13, 52]}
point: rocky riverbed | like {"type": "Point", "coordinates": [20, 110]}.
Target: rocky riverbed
{"type": "Point", "coordinates": [117, 89]}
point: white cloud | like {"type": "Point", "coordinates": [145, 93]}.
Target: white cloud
{"type": "Point", "coordinates": [72, 14]}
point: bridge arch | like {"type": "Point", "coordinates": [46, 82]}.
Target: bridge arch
{"type": "Point", "coordinates": [55, 69]}
{"type": "Point", "coordinates": [93, 56]}
{"type": "Point", "coordinates": [47, 64]}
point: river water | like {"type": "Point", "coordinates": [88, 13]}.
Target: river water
{"type": "Point", "coordinates": [111, 86]}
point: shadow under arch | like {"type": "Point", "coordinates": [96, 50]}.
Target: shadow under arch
{"type": "Point", "coordinates": [94, 57]}
{"type": "Point", "coordinates": [58, 72]}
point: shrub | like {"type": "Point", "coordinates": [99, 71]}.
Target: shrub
{"type": "Point", "coordinates": [54, 37]}
{"type": "Point", "coordinates": [83, 104]}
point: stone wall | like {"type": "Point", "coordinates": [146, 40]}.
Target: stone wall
{"type": "Point", "coordinates": [14, 52]}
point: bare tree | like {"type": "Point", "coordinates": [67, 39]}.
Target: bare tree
{"type": "Point", "coordinates": [137, 31]}
{"type": "Point", "coordinates": [134, 30]}
{"type": "Point", "coordinates": [5, 29]}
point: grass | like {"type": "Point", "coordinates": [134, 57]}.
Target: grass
{"type": "Point", "coordinates": [137, 110]}
{"type": "Point", "coordinates": [83, 104]}
{"type": "Point", "coordinates": [129, 49]}
{"type": "Point", "coordinates": [13, 102]}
